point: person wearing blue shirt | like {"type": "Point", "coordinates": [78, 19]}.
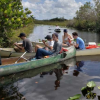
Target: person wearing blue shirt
{"type": "Point", "coordinates": [79, 42]}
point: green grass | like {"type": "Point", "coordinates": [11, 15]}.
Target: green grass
{"type": "Point", "coordinates": [63, 23]}
{"type": "Point", "coordinates": [27, 30]}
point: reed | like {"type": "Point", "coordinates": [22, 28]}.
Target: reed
{"type": "Point", "coordinates": [59, 23]}
{"type": "Point", "coordinates": [27, 30]}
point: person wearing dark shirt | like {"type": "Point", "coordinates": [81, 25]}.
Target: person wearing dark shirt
{"type": "Point", "coordinates": [26, 45]}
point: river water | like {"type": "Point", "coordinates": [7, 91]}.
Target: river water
{"type": "Point", "coordinates": [40, 31]}
{"type": "Point", "coordinates": [53, 82]}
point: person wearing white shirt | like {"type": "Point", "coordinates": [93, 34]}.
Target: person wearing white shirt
{"type": "Point", "coordinates": [48, 45]}
{"type": "Point", "coordinates": [57, 27]}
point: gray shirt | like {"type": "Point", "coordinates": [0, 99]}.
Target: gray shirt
{"type": "Point", "coordinates": [27, 45]}
{"type": "Point", "coordinates": [57, 47]}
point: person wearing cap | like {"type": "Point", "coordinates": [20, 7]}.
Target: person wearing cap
{"type": "Point", "coordinates": [79, 41]}
{"type": "Point", "coordinates": [48, 45]}
{"type": "Point", "coordinates": [67, 38]}
{"type": "Point", "coordinates": [56, 48]}
{"type": "Point", "coordinates": [26, 45]}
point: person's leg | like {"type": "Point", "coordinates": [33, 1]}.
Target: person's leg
{"type": "Point", "coordinates": [42, 52]}
{"type": "Point", "coordinates": [77, 48]}
{"type": "Point", "coordinates": [37, 47]}
{"type": "Point", "coordinates": [64, 44]}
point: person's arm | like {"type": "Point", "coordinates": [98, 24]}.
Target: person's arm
{"type": "Point", "coordinates": [50, 47]}
{"type": "Point", "coordinates": [57, 49]}
{"type": "Point", "coordinates": [63, 40]}
{"type": "Point", "coordinates": [20, 47]}
{"type": "Point", "coordinates": [71, 38]}
{"type": "Point", "coordinates": [77, 43]}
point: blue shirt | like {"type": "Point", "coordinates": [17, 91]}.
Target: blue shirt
{"type": "Point", "coordinates": [81, 43]}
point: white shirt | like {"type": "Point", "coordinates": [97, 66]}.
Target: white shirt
{"type": "Point", "coordinates": [50, 43]}
{"type": "Point", "coordinates": [57, 27]}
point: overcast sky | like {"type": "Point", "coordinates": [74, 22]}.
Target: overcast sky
{"type": "Point", "coordinates": [47, 9]}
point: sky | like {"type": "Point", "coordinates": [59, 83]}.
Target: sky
{"type": "Point", "coordinates": [47, 9]}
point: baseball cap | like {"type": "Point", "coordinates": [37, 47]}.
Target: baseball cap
{"type": "Point", "coordinates": [65, 30]}
{"type": "Point", "coordinates": [22, 34]}
{"type": "Point", "coordinates": [48, 37]}
{"type": "Point", "coordinates": [56, 35]}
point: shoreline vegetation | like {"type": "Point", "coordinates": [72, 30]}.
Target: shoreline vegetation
{"type": "Point", "coordinates": [59, 23]}
{"type": "Point", "coordinates": [27, 30]}
{"type": "Point", "coordinates": [13, 16]}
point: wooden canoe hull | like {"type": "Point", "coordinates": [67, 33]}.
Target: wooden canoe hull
{"type": "Point", "coordinates": [14, 68]}
{"type": "Point", "coordinates": [31, 73]}
{"type": "Point", "coordinates": [9, 52]}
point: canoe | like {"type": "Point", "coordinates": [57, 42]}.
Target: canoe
{"type": "Point", "coordinates": [8, 65]}
{"type": "Point", "coordinates": [86, 52]}
{"type": "Point", "coordinates": [57, 30]}
{"type": "Point", "coordinates": [10, 52]}
{"type": "Point", "coordinates": [88, 58]}
{"type": "Point", "coordinates": [10, 79]}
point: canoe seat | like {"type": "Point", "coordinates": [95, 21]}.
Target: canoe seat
{"type": "Point", "coordinates": [63, 50]}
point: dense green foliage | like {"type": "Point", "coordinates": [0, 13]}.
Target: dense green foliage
{"type": "Point", "coordinates": [87, 17]}
{"type": "Point", "coordinates": [12, 16]}
{"type": "Point", "coordinates": [58, 19]}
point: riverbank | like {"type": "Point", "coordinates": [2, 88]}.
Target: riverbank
{"type": "Point", "coordinates": [59, 23]}
{"type": "Point", "coordinates": [27, 30]}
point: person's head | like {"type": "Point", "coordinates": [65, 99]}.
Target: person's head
{"type": "Point", "coordinates": [55, 36]}
{"type": "Point", "coordinates": [22, 36]}
{"type": "Point", "coordinates": [75, 35]}
{"type": "Point", "coordinates": [48, 37]}
{"type": "Point", "coordinates": [65, 32]}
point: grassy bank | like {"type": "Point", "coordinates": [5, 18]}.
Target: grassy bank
{"type": "Point", "coordinates": [62, 23]}
{"type": "Point", "coordinates": [27, 30]}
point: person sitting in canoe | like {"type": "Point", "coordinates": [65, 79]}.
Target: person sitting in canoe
{"type": "Point", "coordinates": [48, 45]}
{"type": "Point", "coordinates": [56, 48]}
{"type": "Point", "coordinates": [26, 45]}
{"type": "Point", "coordinates": [57, 27]}
{"type": "Point", "coordinates": [79, 42]}
{"type": "Point", "coordinates": [67, 38]}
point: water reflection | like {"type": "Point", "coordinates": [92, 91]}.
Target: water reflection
{"type": "Point", "coordinates": [10, 93]}
{"type": "Point", "coordinates": [64, 70]}
{"type": "Point", "coordinates": [31, 73]}
{"type": "Point", "coordinates": [54, 82]}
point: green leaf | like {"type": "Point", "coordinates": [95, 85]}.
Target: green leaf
{"type": "Point", "coordinates": [78, 96]}
{"type": "Point", "coordinates": [91, 84]}
{"type": "Point", "coordinates": [83, 88]}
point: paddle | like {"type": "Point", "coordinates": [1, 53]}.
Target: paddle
{"type": "Point", "coordinates": [22, 56]}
